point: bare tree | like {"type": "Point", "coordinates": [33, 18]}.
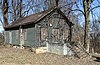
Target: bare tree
{"type": "Point", "coordinates": [5, 12]}
{"type": "Point", "coordinates": [86, 4]}
{"type": "Point", "coordinates": [16, 9]}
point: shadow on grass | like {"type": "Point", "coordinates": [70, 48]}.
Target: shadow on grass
{"type": "Point", "coordinates": [97, 58]}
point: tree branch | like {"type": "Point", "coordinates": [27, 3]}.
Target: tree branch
{"type": "Point", "coordinates": [1, 22]}
{"type": "Point", "coordinates": [98, 1]}
{"type": "Point", "coordinates": [94, 8]}
{"type": "Point", "coordinates": [77, 10]}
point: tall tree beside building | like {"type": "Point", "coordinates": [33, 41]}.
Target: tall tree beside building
{"type": "Point", "coordinates": [5, 12]}
{"type": "Point", "coordinates": [86, 4]}
{"type": "Point", "coordinates": [20, 10]}
{"type": "Point", "coordinates": [16, 9]}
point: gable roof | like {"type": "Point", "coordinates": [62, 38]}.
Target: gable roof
{"type": "Point", "coordinates": [33, 19]}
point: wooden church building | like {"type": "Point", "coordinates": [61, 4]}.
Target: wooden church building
{"type": "Point", "coordinates": [49, 28]}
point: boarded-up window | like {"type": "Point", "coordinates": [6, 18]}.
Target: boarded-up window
{"type": "Point", "coordinates": [44, 33]}
{"type": "Point", "coordinates": [53, 22]}
{"type": "Point", "coordinates": [55, 35]}
{"type": "Point", "coordinates": [62, 22]}
{"type": "Point", "coordinates": [65, 34]}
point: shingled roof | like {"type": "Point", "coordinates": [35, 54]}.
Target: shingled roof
{"type": "Point", "coordinates": [32, 19]}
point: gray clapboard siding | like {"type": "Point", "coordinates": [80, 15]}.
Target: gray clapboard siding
{"type": "Point", "coordinates": [31, 37]}
{"type": "Point", "coordinates": [15, 37]}
{"type": "Point", "coordinates": [6, 36]}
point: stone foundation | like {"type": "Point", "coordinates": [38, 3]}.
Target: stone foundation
{"type": "Point", "coordinates": [60, 49]}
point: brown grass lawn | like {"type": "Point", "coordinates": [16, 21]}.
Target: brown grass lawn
{"type": "Point", "coordinates": [13, 56]}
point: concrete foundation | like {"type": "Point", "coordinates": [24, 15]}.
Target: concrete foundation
{"type": "Point", "coordinates": [60, 49]}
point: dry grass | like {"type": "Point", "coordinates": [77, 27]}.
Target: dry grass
{"type": "Point", "coordinates": [12, 56]}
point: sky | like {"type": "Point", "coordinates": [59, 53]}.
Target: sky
{"type": "Point", "coordinates": [81, 18]}
{"type": "Point", "coordinates": [96, 12]}
{"type": "Point", "coordinates": [1, 28]}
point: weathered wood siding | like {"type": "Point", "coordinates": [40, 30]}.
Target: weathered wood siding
{"type": "Point", "coordinates": [15, 37]}
{"type": "Point", "coordinates": [6, 36]}
{"type": "Point", "coordinates": [56, 29]}
{"type": "Point", "coordinates": [12, 37]}
{"type": "Point", "coordinates": [32, 39]}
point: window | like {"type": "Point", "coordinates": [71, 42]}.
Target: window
{"type": "Point", "coordinates": [44, 33]}
{"type": "Point", "coordinates": [62, 22]}
{"type": "Point", "coordinates": [25, 34]}
{"type": "Point", "coordinates": [55, 35]}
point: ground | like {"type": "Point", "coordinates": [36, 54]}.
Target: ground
{"type": "Point", "coordinates": [14, 56]}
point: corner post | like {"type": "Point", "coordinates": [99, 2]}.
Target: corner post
{"type": "Point", "coordinates": [21, 38]}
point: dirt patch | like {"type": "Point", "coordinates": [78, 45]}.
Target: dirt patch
{"type": "Point", "coordinates": [13, 56]}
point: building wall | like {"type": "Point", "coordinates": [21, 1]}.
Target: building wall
{"type": "Point", "coordinates": [31, 37]}
{"type": "Point", "coordinates": [12, 37]}
{"type": "Point", "coordinates": [15, 37]}
{"type": "Point", "coordinates": [7, 37]}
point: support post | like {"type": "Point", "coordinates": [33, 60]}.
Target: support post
{"type": "Point", "coordinates": [65, 49]}
{"type": "Point", "coordinates": [21, 38]}
{"type": "Point", "coordinates": [47, 45]}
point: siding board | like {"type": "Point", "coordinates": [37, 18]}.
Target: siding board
{"type": "Point", "coordinates": [15, 37]}
{"type": "Point", "coordinates": [30, 41]}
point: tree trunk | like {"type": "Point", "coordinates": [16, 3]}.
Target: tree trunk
{"type": "Point", "coordinates": [5, 12]}
{"type": "Point", "coordinates": [87, 34]}
{"type": "Point", "coordinates": [86, 5]}
{"type": "Point", "coordinates": [20, 12]}
{"type": "Point", "coordinates": [14, 7]}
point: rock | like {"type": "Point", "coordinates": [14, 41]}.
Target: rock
{"type": "Point", "coordinates": [41, 50]}
{"type": "Point", "coordinates": [33, 50]}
